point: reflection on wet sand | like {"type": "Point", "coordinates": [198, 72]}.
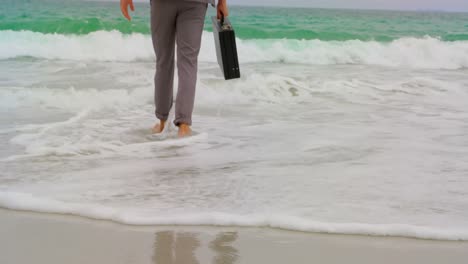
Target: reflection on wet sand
{"type": "Point", "coordinates": [179, 248]}
{"type": "Point", "coordinates": [175, 248]}
{"type": "Point", "coordinates": [222, 245]}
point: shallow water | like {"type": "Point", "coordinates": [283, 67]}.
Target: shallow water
{"type": "Point", "coordinates": [293, 146]}
{"type": "Point", "coordinates": [354, 137]}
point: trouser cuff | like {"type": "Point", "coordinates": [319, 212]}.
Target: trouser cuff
{"type": "Point", "coordinates": [183, 120]}
{"type": "Point", "coordinates": [162, 117]}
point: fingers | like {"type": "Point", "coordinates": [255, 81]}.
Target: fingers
{"type": "Point", "coordinates": [126, 15]}
{"type": "Point", "coordinates": [124, 8]}
{"type": "Point", "coordinates": [222, 11]}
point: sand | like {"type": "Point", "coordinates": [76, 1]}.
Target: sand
{"type": "Point", "coordinates": [46, 238]}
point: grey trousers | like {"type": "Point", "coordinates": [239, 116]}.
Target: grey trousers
{"type": "Point", "coordinates": [181, 22]}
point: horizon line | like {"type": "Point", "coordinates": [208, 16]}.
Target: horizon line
{"type": "Point", "coordinates": [422, 10]}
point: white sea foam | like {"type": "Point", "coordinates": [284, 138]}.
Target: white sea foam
{"type": "Point", "coordinates": [426, 52]}
{"type": "Point", "coordinates": [70, 98]}
{"type": "Point", "coordinates": [97, 118]}
{"type": "Point", "coordinates": [336, 148]}
{"type": "Point", "coordinates": [27, 202]}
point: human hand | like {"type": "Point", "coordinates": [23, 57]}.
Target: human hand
{"type": "Point", "coordinates": [124, 8]}
{"type": "Point", "coordinates": [222, 9]}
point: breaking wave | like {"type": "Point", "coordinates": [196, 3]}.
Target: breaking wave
{"type": "Point", "coordinates": [425, 53]}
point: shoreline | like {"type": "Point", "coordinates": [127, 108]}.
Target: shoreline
{"type": "Point", "coordinates": [83, 240]}
{"type": "Point", "coordinates": [34, 205]}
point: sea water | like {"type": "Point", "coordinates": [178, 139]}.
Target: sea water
{"type": "Point", "coordinates": [344, 121]}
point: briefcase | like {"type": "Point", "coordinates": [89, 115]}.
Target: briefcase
{"type": "Point", "coordinates": [226, 50]}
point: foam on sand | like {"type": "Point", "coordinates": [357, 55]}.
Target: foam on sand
{"type": "Point", "coordinates": [26, 202]}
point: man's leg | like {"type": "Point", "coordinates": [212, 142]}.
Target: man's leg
{"type": "Point", "coordinates": [163, 32]}
{"type": "Point", "coordinates": [190, 21]}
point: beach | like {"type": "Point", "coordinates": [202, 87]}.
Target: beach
{"type": "Point", "coordinates": [44, 238]}
{"type": "Point", "coordinates": [344, 139]}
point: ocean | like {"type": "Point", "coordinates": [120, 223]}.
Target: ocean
{"type": "Point", "coordinates": [344, 121]}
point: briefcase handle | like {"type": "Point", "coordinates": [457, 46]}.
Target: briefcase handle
{"type": "Point", "coordinates": [222, 19]}
{"type": "Point", "coordinates": [222, 25]}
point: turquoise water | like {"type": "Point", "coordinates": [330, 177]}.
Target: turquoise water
{"type": "Point", "coordinates": [343, 121]}
{"type": "Point", "coordinates": [79, 17]}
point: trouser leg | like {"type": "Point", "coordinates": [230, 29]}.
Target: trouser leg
{"type": "Point", "coordinates": [190, 22]}
{"type": "Point", "coordinates": [163, 32]}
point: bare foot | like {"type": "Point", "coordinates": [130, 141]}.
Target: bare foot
{"type": "Point", "coordinates": [158, 128]}
{"type": "Point", "coordinates": [184, 131]}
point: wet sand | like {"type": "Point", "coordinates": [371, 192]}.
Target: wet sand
{"type": "Point", "coordinates": [46, 238]}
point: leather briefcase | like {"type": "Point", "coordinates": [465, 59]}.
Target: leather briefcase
{"type": "Point", "coordinates": [226, 50]}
